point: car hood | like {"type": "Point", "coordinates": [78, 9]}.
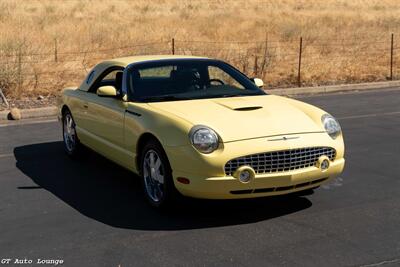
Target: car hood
{"type": "Point", "coordinates": [239, 118]}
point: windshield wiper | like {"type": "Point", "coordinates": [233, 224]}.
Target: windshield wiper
{"type": "Point", "coordinates": [162, 98]}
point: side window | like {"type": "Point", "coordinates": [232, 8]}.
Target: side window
{"type": "Point", "coordinates": [217, 74]}
{"type": "Point", "coordinates": [113, 78]}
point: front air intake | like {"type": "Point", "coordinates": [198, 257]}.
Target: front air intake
{"type": "Point", "coordinates": [281, 161]}
{"type": "Point", "coordinates": [277, 189]}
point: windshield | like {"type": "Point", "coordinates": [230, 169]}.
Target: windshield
{"type": "Point", "coordinates": [183, 79]}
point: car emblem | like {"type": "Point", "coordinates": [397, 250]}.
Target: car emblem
{"type": "Point", "coordinates": [283, 138]}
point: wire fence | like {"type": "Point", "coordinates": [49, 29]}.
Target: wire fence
{"type": "Point", "coordinates": [281, 63]}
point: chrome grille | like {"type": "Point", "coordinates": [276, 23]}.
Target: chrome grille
{"type": "Point", "coordinates": [281, 161]}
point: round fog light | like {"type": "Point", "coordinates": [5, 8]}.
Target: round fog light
{"type": "Point", "coordinates": [244, 176]}
{"type": "Point", "coordinates": [324, 164]}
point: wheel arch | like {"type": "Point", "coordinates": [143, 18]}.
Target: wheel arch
{"type": "Point", "coordinates": [142, 141]}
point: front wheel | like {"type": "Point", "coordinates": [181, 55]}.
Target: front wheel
{"type": "Point", "coordinates": [72, 145]}
{"type": "Point", "coordinates": [156, 174]}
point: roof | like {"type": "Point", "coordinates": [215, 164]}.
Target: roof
{"type": "Point", "coordinates": [123, 62]}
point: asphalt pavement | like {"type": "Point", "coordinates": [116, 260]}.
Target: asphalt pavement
{"type": "Point", "coordinates": [92, 213]}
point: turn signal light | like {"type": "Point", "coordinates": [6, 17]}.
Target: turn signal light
{"type": "Point", "coordinates": [183, 180]}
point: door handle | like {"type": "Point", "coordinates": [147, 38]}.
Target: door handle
{"type": "Point", "coordinates": [85, 105]}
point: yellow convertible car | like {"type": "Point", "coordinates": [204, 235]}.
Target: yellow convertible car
{"type": "Point", "coordinates": [198, 127]}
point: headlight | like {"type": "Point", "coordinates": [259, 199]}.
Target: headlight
{"type": "Point", "coordinates": [204, 139]}
{"type": "Point", "coordinates": [331, 125]}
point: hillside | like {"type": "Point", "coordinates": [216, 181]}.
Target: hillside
{"type": "Point", "coordinates": [46, 45]}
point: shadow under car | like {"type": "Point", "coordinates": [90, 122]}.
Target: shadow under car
{"type": "Point", "coordinates": [105, 192]}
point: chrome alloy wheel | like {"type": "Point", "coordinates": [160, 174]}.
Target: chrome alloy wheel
{"type": "Point", "coordinates": [153, 174]}
{"type": "Point", "coordinates": [69, 133]}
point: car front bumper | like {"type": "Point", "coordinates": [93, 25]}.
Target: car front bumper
{"type": "Point", "coordinates": [208, 179]}
{"type": "Point", "coordinates": [262, 185]}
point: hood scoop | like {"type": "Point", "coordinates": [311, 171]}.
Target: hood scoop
{"type": "Point", "coordinates": [238, 104]}
{"type": "Point", "coordinates": [247, 108]}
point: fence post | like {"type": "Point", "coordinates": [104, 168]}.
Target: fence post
{"type": "Point", "coordinates": [173, 46]}
{"type": "Point", "coordinates": [55, 50]}
{"type": "Point", "coordinates": [391, 58]}
{"type": "Point", "coordinates": [255, 65]}
{"type": "Point", "coordinates": [299, 69]}
{"type": "Point", "coordinates": [265, 56]}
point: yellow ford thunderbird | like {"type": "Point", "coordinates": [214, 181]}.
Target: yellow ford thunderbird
{"type": "Point", "coordinates": [198, 127]}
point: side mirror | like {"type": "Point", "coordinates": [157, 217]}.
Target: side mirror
{"type": "Point", "coordinates": [107, 91]}
{"type": "Point", "coordinates": [258, 82]}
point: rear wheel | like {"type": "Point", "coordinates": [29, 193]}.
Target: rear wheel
{"type": "Point", "coordinates": [156, 174]}
{"type": "Point", "coordinates": [72, 145]}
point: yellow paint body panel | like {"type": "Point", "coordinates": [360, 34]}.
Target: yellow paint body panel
{"type": "Point", "coordinates": [110, 127]}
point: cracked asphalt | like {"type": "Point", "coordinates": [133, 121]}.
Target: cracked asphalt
{"type": "Point", "coordinates": [91, 212]}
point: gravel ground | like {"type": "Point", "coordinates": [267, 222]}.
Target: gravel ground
{"type": "Point", "coordinates": [30, 102]}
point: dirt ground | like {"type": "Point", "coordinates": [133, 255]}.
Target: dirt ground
{"type": "Point", "coordinates": [26, 103]}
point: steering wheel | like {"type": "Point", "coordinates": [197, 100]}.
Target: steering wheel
{"type": "Point", "coordinates": [216, 80]}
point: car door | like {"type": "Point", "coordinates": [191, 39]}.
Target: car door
{"type": "Point", "coordinates": [105, 118]}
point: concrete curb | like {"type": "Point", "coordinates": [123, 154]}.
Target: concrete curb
{"type": "Point", "coordinates": [53, 111]}
{"type": "Point", "coordinates": [334, 88]}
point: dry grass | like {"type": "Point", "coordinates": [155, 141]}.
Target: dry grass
{"type": "Point", "coordinates": [344, 41]}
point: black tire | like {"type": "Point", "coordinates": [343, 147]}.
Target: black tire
{"type": "Point", "coordinates": [170, 194]}
{"type": "Point", "coordinates": [72, 145]}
